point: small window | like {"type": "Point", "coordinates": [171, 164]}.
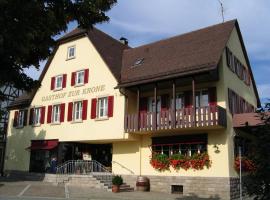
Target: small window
{"type": "Point", "coordinates": [202, 98]}
{"type": "Point", "coordinates": [58, 82]}
{"type": "Point", "coordinates": [20, 118]}
{"type": "Point", "coordinates": [77, 111]}
{"type": "Point", "coordinates": [56, 114]}
{"type": "Point", "coordinates": [80, 77]}
{"type": "Point", "coordinates": [37, 115]}
{"type": "Point", "coordinates": [102, 107]}
{"type": "Point", "coordinates": [71, 52]}
{"type": "Point", "coordinates": [177, 189]}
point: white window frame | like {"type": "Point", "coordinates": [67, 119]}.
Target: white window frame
{"type": "Point", "coordinates": [200, 97]}
{"type": "Point", "coordinates": [20, 118]}
{"type": "Point", "coordinates": [69, 50]}
{"type": "Point", "coordinates": [56, 112]}
{"type": "Point", "coordinates": [78, 74]}
{"type": "Point", "coordinates": [102, 107]}
{"type": "Point", "coordinates": [37, 116]}
{"type": "Point", "coordinates": [56, 81]}
{"type": "Point", "coordinates": [77, 111]}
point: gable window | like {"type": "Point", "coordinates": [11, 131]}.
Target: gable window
{"type": "Point", "coordinates": [58, 82]}
{"type": "Point", "coordinates": [77, 111]}
{"type": "Point", "coordinates": [80, 77]}
{"type": "Point", "coordinates": [56, 114]}
{"type": "Point", "coordinates": [21, 118]}
{"type": "Point", "coordinates": [37, 116]}
{"type": "Point", "coordinates": [71, 52]}
{"type": "Point", "coordinates": [102, 107]}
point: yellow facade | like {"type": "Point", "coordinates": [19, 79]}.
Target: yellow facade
{"type": "Point", "coordinates": [130, 152]}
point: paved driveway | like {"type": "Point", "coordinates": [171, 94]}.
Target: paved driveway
{"type": "Point", "coordinates": [25, 190]}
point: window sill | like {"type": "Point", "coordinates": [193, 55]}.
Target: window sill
{"type": "Point", "coordinates": [36, 125]}
{"type": "Point", "coordinates": [55, 123]}
{"type": "Point", "coordinates": [57, 89]}
{"type": "Point", "coordinates": [102, 119]}
{"type": "Point", "coordinates": [79, 85]}
{"type": "Point", "coordinates": [70, 58]}
{"type": "Point", "coordinates": [77, 121]}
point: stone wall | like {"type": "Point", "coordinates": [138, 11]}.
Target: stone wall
{"type": "Point", "coordinates": [219, 188]}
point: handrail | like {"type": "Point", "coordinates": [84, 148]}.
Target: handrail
{"type": "Point", "coordinates": [81, 167]}
{"type": "Point", "coordinates": [123, 167]}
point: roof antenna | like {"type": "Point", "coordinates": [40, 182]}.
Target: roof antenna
{"type": "Point", "coordinates": [222, 10]}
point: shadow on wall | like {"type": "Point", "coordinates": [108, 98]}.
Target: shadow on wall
{"type": "Point", "coordinates": [17, 158]}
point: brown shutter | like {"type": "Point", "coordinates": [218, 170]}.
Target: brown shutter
{"type": "Point", "coordinates": [62, 112]}
{"type": "Point", "coordinates": [31, 117]}
{"type": "Point", "coordinates": [86, 75]}
{"type": "Point", "coordinates": [70, 111]}
{"type": "Point", "coordinates": [49, 115]}
{"type": "Point", "coordinates": [94, 108]}
{"type": "Point", "coordinates": [73, 77]}
{"type": "Point", "coordinates": [143, 104]}
{"type": "Point", "coordinates": [188, 99]}
{"type": "Point", "coordinates": [52, 83]}
{"type": "Point", "coordinates": [42, 117]}
{"type": "Point", "coordinates": [64, 80]}
{"type": "Point", "coordinates": [84, 109]}
{"type": "Point", "coordinates": [212, 92]}
{"type": "Point", "coordinates": [25, 117]}
{"type": "Point", "coordinates": [15, 119]}
{"type": "Point", "coordinates": [110, 106]}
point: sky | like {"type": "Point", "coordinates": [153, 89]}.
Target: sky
{"type": "Point", "coordinates": [145, 21]}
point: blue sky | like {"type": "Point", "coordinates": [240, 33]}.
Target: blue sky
{"type": "Point", "coordinates": [144, 21]}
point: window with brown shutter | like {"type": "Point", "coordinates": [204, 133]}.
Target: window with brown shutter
{"type": "Point", "coordinates": [25, 117]}
{"type": "Point", "coordinates": [62, 112]}
{"type": "Point", "coordinates": [110, 106]}
{"type": "Point", "coordinates": [49, 114]}
{"type": "Point", "coordinates": [15, 119]}
{"type": "Point", "coordinates": [64, 80]}
{"type": "Point", "coordinates": [31, 117]}
{"type": "Point", "coordinates": [84, 109]}
{"type": "Point", "coordinates": [73, 77]}
{"type": "Point", "coordinates": [52, 83]}
{"type": "Point", "coordinates": [86, 75]}
{"type": "Point", "coordinates": [93, 108]}
{"type": "Point", "coordinates": [70, 111]}
{"type": "Point", "coordinates": [42, 115]}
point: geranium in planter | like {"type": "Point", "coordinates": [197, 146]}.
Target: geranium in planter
{"type": "Point", "coordinates": [178, 161]}
{"type": "Point", "coordinates": [160, 162]}
{"type": "Point", "coordinates": [199, 161]}
{"type": "Point", "coordinates": [247, 164]}
{"type": "Point", "coordinates": [117, 181]}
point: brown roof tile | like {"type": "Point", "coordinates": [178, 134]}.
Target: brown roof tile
{"type": "Point", "coordinates": [195, 51]}
{"type": "Point", "coordinates": [248, 119]}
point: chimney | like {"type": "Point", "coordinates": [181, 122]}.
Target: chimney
{"type": "Point", "coordinates": [124, 40]}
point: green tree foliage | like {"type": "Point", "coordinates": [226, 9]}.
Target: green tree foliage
{"type": "Point", "coordinates": [27, 28]}
{"type": "Point", "coordinates": [258, 183]}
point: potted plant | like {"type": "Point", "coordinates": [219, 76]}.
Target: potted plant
{"type": "Point", "coordinates": [116, 182]}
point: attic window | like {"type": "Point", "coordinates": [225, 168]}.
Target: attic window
{"type": "Point", "coordinates": [138, 62]}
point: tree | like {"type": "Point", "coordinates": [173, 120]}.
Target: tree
{"type": "Point", "coordinates": [258, 182]}
{"type": "Point", "coordinates": [27, 28]}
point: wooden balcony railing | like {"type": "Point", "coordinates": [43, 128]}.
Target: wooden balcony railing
{"type": "Point", "coordinates": [183, 118]}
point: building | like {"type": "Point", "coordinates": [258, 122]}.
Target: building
{"type": "Point", "coordinates": [102, 100]}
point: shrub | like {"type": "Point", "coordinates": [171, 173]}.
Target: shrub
{"type": "Point", "coordinates": [117, 180]}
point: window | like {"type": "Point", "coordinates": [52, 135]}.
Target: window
{"type": "Point", "coordinates": [184, 144]}
{"type": "Point", "coordinates": [56, 114]}
{"type": "Point", "coordinates": [202, 98]}
{"type": "Point", "coordinates": [80, 77]}
{"type": "Point", "coordinates": [21, 118]}
{"type": "Point", "coordinates": [71, 52]}
{"type": "Point", "coordinates": [58, 82]}
{"type": "Point", "coordinates": [179, 101]}
{"type": "Point", "coordinates": [151, 104]}
{"type": "Point", "coordinates": [77, 111]}
{"type": "Point", "coordinates": [102, 107]}
{"type": "Point", "coordinates": [37, 115]}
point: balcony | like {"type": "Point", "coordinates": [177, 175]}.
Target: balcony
{"type": "Point", "coordinates": [209, 116]}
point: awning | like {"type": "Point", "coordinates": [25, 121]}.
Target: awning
{"type": "Point", "coordinates": [43, 144]}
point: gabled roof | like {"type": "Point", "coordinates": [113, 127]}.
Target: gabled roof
{"type": "Point", "coordinates": [188, 53]}
{"type": "Point", "coordinates": [110, 49]}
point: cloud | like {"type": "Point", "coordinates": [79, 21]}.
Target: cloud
{"type": "Point", "coordinates": [264, 91]}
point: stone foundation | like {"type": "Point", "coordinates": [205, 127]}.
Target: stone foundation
{"type": "Point", "coordinates": [204, 187]}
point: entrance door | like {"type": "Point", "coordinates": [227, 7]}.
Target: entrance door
{"type": "Point", "coordinates": [102, 153]}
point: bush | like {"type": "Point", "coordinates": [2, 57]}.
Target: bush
{"type": "Point", "coordinates": [117, 180]}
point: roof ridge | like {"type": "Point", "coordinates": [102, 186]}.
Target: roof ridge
{"type": "Point", "coordinates": [186, 33]}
